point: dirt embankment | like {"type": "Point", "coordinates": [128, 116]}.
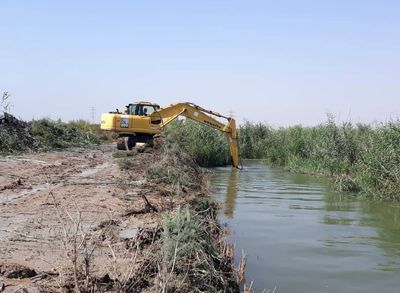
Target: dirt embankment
{"type": "Point", "coordinates": [83, 220]}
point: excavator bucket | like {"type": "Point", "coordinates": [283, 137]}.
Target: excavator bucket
{"type": "Point", "coordinates": [234, 152]}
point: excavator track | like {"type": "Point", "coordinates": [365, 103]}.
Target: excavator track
{"type": "Point", "coordinates": [121, 144]}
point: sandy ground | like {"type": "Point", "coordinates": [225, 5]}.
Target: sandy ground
{"type": "Point", "coordinates": [52, 203]}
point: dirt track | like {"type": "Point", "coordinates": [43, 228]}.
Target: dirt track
{"type": "Point", "coordinates": [47, 198]}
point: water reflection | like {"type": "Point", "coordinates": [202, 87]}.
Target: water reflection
{"type": "Point", "coordinates": [385, 218]}
{"type": "Point", "coordinates": [231, 194]}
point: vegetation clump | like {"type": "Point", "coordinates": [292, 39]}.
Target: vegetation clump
{"type": "Point", "coordinates": [56, 134]}
{"type": "Point", "coordinates": [123, 154]}
{"type": "Point", "coordinates": [192, 260]}
{"type": "Point", "coordinates": [14, 136]}
{"type": "Point", "coordinates": [126, 163]}
{"type": "Point", "coordinates": [94, 129]}
{"type": "Point", "coordinates": [176, 167]}
{"type": "Point", "coordinates": [207, 146]}
{"type": "Point", "coordinates": [18, 136]}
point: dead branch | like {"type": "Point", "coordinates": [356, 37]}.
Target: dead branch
{"type": "Point", "coordinates": [149, 206]}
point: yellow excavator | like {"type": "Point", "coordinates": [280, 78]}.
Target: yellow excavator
{"type": "Point", "coordinates": [141, 121]}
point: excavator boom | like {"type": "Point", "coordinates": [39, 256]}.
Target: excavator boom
{"type": "Point", "coordinates": [166, 115]}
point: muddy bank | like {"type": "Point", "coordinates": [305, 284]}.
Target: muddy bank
{"type": "Point", "coordinates": [97, 221]}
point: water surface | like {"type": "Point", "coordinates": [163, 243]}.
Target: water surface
{"type": "Point", "coordinates": [301, 237]}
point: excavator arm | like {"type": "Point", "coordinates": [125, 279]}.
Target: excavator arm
{"type": "Point", "coordinates": [166, 115]}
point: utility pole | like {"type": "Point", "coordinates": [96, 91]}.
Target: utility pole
{"type": "Point", "coordinates": [93, 114]}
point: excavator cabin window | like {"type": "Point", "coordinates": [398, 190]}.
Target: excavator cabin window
{"type": "Point", "coordinates": [141, 110]}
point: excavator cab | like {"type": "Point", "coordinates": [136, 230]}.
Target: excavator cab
{"type": "Point", "coordinates": [142, 109]}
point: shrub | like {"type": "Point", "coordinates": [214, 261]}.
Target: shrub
{"type": "Point", "coordinates": [56, 134]}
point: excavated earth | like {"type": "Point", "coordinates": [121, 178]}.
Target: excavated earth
{"type": "Point", "coordinates": [57, 203]}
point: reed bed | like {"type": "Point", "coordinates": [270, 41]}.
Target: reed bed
{"type": "Point", "coordinates": [358, 157]}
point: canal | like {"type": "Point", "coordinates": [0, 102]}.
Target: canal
{"type": "Point", "coordinates": [300, 236]}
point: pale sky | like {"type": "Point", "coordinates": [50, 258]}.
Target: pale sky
{"type": "Point", "coordinates": [282, 62]}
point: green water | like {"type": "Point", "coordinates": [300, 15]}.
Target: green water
{"type": "Point", "coordinates": [301, 237]}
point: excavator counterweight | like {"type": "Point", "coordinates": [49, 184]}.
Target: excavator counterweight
{"type": "Point", "coordinates": [141, 121]}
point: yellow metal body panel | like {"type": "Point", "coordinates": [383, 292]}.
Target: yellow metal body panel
{"type": "Point", "coordinates": [128, 123]}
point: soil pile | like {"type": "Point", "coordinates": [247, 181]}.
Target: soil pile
{"type": "Point", "coordinates": [14, 135]}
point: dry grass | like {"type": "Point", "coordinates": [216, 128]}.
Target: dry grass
{"type": "Point", "coordinates": [194, 259]}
